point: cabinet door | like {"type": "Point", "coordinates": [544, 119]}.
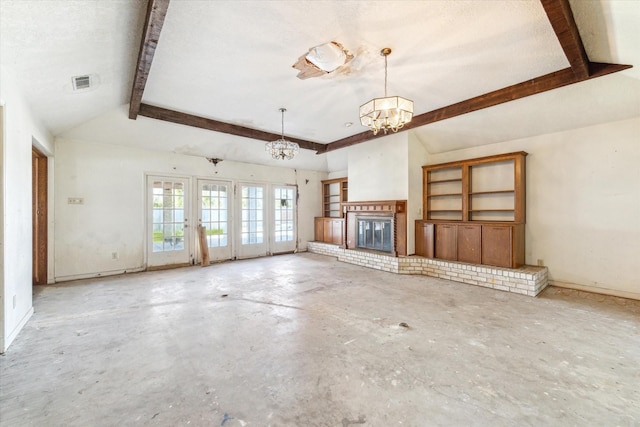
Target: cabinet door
{"type": "Point", "coordinates": [327, 230]}
{"type": "Point", "coordinates": [497, 245]}
{"type": "Point", "coordinates": [424, 239]}
{"type": "Point", "coordinates": [336, 231]}
{"type": "Point", "coordinates": [446, 242]}
{"type": "Point", "coordinates": [318, 229]}
{"type": "Point", "coordinates": [469, 243]}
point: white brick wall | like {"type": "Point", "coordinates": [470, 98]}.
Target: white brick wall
{"type": "Point", "coordinates": [527, 280]}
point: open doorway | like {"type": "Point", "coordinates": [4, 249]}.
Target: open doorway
{"type": "Point", "coordinates": [39, 216]}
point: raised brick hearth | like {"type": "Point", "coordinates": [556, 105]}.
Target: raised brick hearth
{"type": "Point", "coordinates": [527, 280]}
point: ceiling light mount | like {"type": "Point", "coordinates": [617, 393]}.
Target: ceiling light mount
{"type": "Point", "coordinates": [388, 113]}
{"type": "Point", "coordinates": [281, 148]}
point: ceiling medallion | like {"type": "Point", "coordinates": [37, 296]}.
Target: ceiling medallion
{"type": "Point", "coordinates": [390, 112]}
{"type": "Point", "coordinates": [281, 148]}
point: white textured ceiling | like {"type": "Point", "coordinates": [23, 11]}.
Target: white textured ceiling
{"type": "Point", "coordinates": [231, 61]}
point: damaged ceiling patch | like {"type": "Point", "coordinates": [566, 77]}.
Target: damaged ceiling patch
{"type": "Point", "coordinates": [322, 59]}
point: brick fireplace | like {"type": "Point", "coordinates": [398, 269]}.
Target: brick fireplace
{"type": "Point", "coordinates": [376, 225]}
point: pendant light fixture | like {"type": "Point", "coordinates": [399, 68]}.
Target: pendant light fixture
{"type": "Point", "coordinates": [281, 148]}
{"type": "Point", "coordinates": [390, 112]}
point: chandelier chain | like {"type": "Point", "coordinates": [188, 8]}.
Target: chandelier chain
{"type": "Point", "coordinates": [385, 76]}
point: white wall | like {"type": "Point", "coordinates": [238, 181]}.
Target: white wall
{"type": "Point", "coordinates": [111, 180]}
{"type": "Point", "coordinates": [417, 158]}
{"type": "Point", "coordinates": [583, 204]}
{"type": "Point", "coordinates": [20, 129]}
{"type": "Point", "coordinates": [378, 169]}
{"type": "Point", "coordinates": [389, 168]}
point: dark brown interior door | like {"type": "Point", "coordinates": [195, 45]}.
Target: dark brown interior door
{"type": "Point", "coordinates": [39, 207]}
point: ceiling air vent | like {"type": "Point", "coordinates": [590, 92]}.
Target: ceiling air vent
{"type": "Point", "coordinates": [81, 82]}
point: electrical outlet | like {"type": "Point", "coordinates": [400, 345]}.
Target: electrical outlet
{"type": "Point", "coordinates": [114, 255]}
{"type": "Point", "coordinates": [541, 262]}
{"type": "Point", "coordinates": [75, 201]}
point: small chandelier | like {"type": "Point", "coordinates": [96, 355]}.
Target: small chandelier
{"type": "Point", "coordinates": [390, 112]}
{"type": "Point", "coordinates": [281, 148]}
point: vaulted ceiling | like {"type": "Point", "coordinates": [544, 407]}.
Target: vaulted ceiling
{"type": "Point", "coordinates": [230, 61]}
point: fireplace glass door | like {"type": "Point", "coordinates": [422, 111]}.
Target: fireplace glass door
{"type": "Point", "coordinates": [376, 234]}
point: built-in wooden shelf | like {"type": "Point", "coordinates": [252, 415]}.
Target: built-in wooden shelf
{"type": "Point", "coordinates": [491, 192]}
{"type": "Point", "coordinates": [474, 211]}
{"type": "Point", "coordinates": [445, 195]}
{"type": "Point", "coordinates": [329, 228]}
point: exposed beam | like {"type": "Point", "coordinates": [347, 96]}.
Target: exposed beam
{"type": "Point", "coordinates": [218, 126]}
{"type": "Point", "coordinates": [156, 12]}
{"type": "Point", "coordinates": [561, 19]}
{"type": "Point", "coordinates": [510, 93]}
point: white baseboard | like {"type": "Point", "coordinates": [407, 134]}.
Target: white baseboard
{"type": "Point", "coordinates": [595, 289]}
{"type": "Point", "coordinates": [100, 274]}
{"type": "Point", "coordinates": [9, 339]}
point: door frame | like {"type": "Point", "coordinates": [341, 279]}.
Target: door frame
{"type": "Point", "coordinates": [40, 215]}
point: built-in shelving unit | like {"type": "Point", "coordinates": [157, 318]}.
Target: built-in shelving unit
{"type": "Point", "coordinates": [334, 194]}
{"type": "Point", "coordinates": [329, 228]}
{"type": "Point", "coordinates": [474, 211]}
{"type": "Point", "coordinates": [443, 193]}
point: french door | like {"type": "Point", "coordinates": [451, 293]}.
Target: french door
{"type": "Point", "coordinates": [283, 220]}
{"type": "Point", "coordinates": [215, 208]}
{"type": "Point", "coordinates": [253, 240]}
{"type": "Point", "coordinates": [168, 233]}
{"type": "Point", "coordinates": [244, 220]}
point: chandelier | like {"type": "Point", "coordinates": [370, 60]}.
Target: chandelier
{"type": "Point", "coordinates": [281, 148]}
{"type": "Point", "coordinates": [390, 112]}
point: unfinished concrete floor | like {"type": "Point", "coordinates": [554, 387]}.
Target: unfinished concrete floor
{"type": "Point", "coordinates": [303, 340]}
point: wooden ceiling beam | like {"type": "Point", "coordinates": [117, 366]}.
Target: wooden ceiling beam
{"type": "Point", "coordinates": [559, 14]}
{"type": "Point", "coordinates": [510, 93]}
{"type": "Point", "coordinates": [156, 12]}
{"type": "Point", "coordinates": [180, 118]}
{"type": "Point", "coordinates": [564, 25]}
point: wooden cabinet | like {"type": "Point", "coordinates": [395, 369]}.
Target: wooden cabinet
{"type": "Point", "coordinates": [329, 228]}
{"type": "Point", "coordinates": [469, 243]}
{"type": "Point", "coordinates": [474, 211]}
{"type": "Point", "coordinates": [424, 239]}
{"type": "Point", "coordinates": [499, 244]}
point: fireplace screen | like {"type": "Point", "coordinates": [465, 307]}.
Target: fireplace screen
{"type": "Point", "coordinates": [375, 234]}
